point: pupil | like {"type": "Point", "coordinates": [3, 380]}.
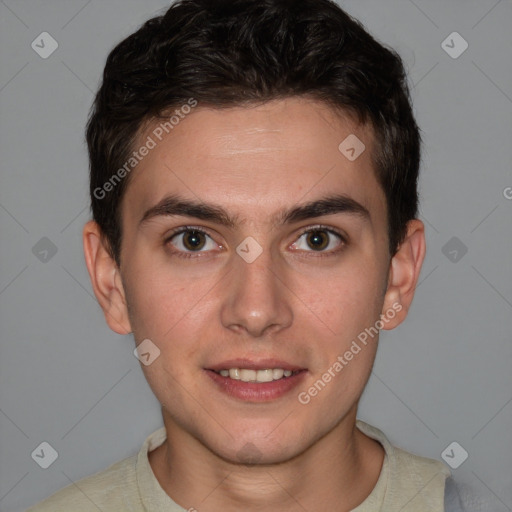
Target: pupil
{"type": "Point", "coordinates": [192, 240]}
{"type": "Point", "coordinates": [318, 240]}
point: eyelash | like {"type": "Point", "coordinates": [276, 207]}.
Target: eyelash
{"type": "Point", "coordinates": [318, 227]}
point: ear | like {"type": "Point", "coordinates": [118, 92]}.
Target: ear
{"type": "Point", "coordinates": [404, 271]}
{"type": "Point", "coordinates": [105, 279]}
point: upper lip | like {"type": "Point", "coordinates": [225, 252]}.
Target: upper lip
{"type": "Point", "coordinates": [252, 364]}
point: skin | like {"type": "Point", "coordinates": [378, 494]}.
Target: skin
{"type": "Point", "coordinates": [293, 303]}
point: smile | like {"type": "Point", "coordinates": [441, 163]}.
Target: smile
{"type": "Point", "coordinates": [247, 375]}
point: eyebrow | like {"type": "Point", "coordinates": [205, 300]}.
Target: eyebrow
{"type": "Point", "coordinates": [331, 205]}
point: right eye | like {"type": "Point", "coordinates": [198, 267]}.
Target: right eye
{"type": "Point", "coordinates": [189, 240]}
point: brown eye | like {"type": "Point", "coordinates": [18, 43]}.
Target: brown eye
{"type": "Point", "coordinates": [193, 240]}
{"type": "Point", "coordinates": [318, 239]}
{"type": "Point", "coordinates": [321, 240]}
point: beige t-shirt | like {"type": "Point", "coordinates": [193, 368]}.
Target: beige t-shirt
{"type": "Point", "coordinates": [407, 483]}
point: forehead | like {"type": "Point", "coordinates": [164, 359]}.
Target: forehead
{"type": "Point", "coordinates": [256, 159]}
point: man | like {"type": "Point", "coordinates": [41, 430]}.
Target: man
{"type": "Point", "coordinates": [254, 170]}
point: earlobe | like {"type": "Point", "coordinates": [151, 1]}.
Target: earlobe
{"type": "Point", "coordinates": [105, 279]}
{"type": "Point", "coordinates": [405, 268]}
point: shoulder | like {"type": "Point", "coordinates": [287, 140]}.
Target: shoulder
{"type": "Point", "coordinates": [404, 463]}
{"type": "Point", "coordinates": [413, 482]}
{"type": "Point", "coordinates": [116, 488]}
{"type": "Point", "coordinates": [112, 489]}
{"type": "Point", "coordinates": [417, 482]}
{"type": "Point", "coordinates": [410, 463]}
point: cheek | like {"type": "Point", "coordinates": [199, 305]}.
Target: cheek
{"type": "Point", "coordinates": [162, 298]}
{"type": "Point", "coordinates": [343, 301]}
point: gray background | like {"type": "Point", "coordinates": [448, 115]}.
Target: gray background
{"type": "Point", "coordinates": [442, 376]}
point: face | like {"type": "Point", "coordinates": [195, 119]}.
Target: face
{"type": "Point", "coordinates": [251, 242]}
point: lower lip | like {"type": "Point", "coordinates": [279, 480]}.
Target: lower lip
{"type": "Point", "coordinates": [256, 391]}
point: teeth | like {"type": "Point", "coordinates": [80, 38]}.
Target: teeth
{"type": "Point", "coordinates": [264, 375]}
{"type": "Point", "coordinates": [246, 375]}
{"type": "Point", "coordinates": [234, 373]}
{"type": "Point", "coordinates": [277, 373]}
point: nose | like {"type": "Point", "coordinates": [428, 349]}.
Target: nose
{"type": "Point", "coordinates": [256, 299]}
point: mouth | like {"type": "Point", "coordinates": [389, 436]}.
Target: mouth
{"type": "Point", "coordinates": [252, 381]}
{"type": "Point", "coordinates": [248, 375]}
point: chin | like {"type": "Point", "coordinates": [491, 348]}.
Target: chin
{"type": "Point", "coordinates": [251, 454]}
{"type": "Point", "coordinates": [249, 449]}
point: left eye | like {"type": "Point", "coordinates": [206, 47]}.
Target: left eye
{"type": "Point", "coordinates": [192, 240]}
{"type": "Point", "coordinates": [319, 240]}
